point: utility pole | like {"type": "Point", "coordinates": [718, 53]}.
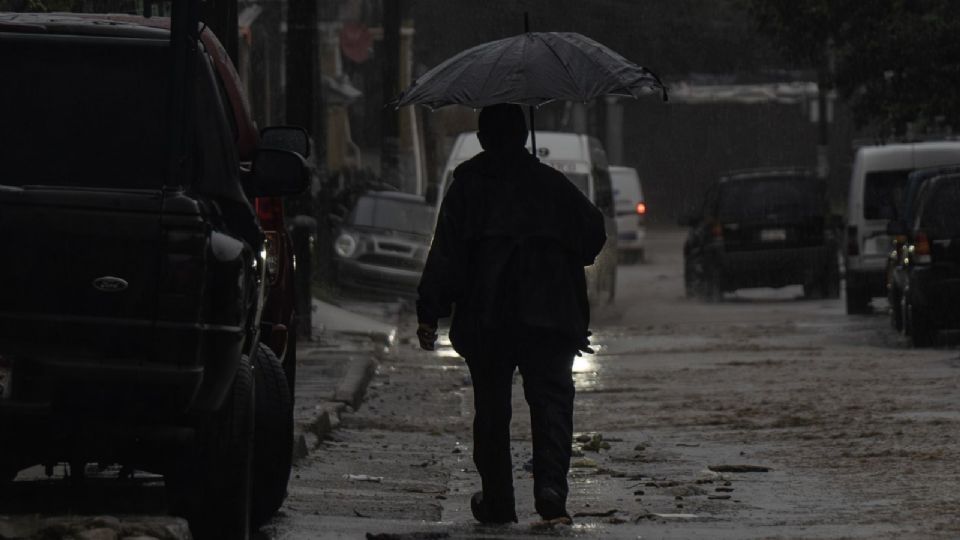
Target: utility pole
{"type": "Point", "coordinates": [221, 17]}
{"type": "Point", "coordinates": [824, 85]}
{"type": "Point", "coordinates": [390, 117]}
{"type": "Point", "coordinates": [303, 88]}
{"type": "Point", "coordinates": [304, 104]}
{"type": "Point", "coordinates": [614, 129]}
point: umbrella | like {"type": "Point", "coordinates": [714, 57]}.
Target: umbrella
{"type": "Point", "coordinates": [531, 69]}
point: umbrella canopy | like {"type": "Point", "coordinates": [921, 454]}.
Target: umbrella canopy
{"type": "Point", "coordinates": [531, 69]}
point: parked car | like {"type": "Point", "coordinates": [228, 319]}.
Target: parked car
{"type": "Point", "coordinates": [932, 266]}
{"type": "Point", "coordinates": [876, 190]}
{"type": "Point", "coordinates": [631, 210]}
{"type": "Point", "coordinates": [584, 161]}
{"type": "Point", "coordinates": [899, 231]}
{"type": "Point", "coordinates": [761, 228]}
{"type": "Point", "coordinates": [381, 247]}
{"type": "Point", "coordinates": [130, 324]}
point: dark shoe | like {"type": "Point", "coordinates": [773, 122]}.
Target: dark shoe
{"type": "Point", "coordinates": [551, 506]}
{"type": "Point", "coordinates": [485, 513]}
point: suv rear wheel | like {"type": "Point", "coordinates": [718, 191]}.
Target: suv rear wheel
{"type": "Point", "coordinates": [920, 327]}
{"type": "Point", "coordinates": [213, 485]}
{"type": "Point", "coordinates": [273, 438]}
{"type": "Point", "coordinates": [858, 300]}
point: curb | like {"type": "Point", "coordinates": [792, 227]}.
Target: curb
{"type": "Point", "coordinates": [326, 418]}
{"type": "Point", "coordinates": [354, 384]}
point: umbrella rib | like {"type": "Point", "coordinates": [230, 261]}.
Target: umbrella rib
{"type": "Point", "coordinates": [483, 87]}
{"type": "Point", "coordinates": [563, 63]}
{"type": "Point", "coordinates": [597, 47]}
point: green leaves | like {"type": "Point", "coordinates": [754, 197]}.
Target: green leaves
{"type": "Point", "coordinates": [895, 61]}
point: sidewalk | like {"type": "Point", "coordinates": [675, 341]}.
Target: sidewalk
{"type": "Point", "coordinates": [334, 369]}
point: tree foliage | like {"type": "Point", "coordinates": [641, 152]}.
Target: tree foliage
{"type": "Point", "coordinates": [895, 61]}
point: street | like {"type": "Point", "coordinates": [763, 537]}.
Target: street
{"type": "Point", "coordinates": [764, 415]}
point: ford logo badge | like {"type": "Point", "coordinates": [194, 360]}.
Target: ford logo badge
{"type": "Point", "coordinates": [110, 284]}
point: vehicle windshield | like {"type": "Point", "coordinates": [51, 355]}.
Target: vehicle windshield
{"type": "Point", "coordinates": [83, 114]}
{"type": "Point", "coordinates": [883, 194]}
{"type": "Point", "coordinates": [383, 213]}
{"type": "Point", "coordinates": [769, 198]}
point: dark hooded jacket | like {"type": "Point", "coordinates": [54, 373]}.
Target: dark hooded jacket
{"type": "Point", "coordinates": [512, 238]}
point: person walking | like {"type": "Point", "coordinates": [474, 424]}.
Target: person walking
{"type": "Point", "coordinates": [507, 262]}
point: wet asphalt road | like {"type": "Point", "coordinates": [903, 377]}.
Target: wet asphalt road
{"type": "Point", "coordinates": [856, 432]}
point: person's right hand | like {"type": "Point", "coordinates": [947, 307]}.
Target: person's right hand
{"type": "Point", "coordinates": [427, 334]}
{"type": "Point", "coordinates": [584, 346]}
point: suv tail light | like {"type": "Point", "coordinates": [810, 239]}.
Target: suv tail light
{"type": "Point", "coordinates": [641, 208]}
{"type": "Point", "coordinates": [853, 242]}
{"type": "Point", "coordinates": [920, 250]}
{"type": "Point", "coordinates": [269, 212]}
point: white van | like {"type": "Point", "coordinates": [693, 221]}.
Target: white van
{"type": "Point", "coordinates": [584, 161]}
{"type": "Point", "coordinates": [631, 212]}
{"type": "Point", "coordinates": [876, 193]}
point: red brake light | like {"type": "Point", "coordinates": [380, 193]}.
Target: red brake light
{"type": "Point", "coordinates": [920, 251]}
{"type": "Point", "coordinates": [270, 212]}
{"type": "Point", "coordinates": [717, 230]}
{"type": "Point", "coordinates": [641, 208]}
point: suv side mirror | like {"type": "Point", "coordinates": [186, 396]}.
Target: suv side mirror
{"type": "Point", "coordinates": [290, 138]}
{"type": "Point", "coordinates": [896, 227]}
{"type": "Point", "coordinates": [276, 173]}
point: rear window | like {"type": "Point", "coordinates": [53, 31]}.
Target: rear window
{"type": "Point", "coordinates": [769, 199]}
{"type": "Point", "coordinates": [83, 113]}
{"type": "Point", "coordinates": [626, 188]}
{"type": "Point", "coordinates": [883, 194]}
{"type": "Point", "coordinates": [940, 216]}
{"type": "Point", "coordinates": [391, 214]}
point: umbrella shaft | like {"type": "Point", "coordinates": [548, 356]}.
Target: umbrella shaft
{"type": "Point", "coordinates": [533, 134]}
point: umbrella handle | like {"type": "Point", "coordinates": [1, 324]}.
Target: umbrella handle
{"type": "Point", "coordinates": [533, 134]}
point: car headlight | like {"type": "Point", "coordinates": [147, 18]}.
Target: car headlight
{"type": "Point", "coordinates": [345, 245]}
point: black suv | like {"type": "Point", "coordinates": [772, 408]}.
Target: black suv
{"type": "Point", "coordinates": [900, 230]}
{"type": "Point", "coordinates": [931, 261]}
{"type": "Point", "coordinates": [135, 272]}
{"type": "Point", "coordinates": [762, 228]}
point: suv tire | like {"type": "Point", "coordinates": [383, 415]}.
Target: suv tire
{"type": "Point", "coordinates": [690, 285]}
{"type": "Point", "coordinates": [273, 436]}
{"type": "Point", "coordinates": [858, 301]}
{"type": "Point", "coordinates": [831, 281]}
{"type": "Point", "coordinates": [214, 484]}
{"type": "Point", "coordinates": [712, 286]}
{"type": "Point", "coordinates": [920, 327]}
{"type": "Point", "coordinates": [894, 298]}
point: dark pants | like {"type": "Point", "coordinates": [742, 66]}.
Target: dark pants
{"type": "Point", "coordinates": [548, 388]}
